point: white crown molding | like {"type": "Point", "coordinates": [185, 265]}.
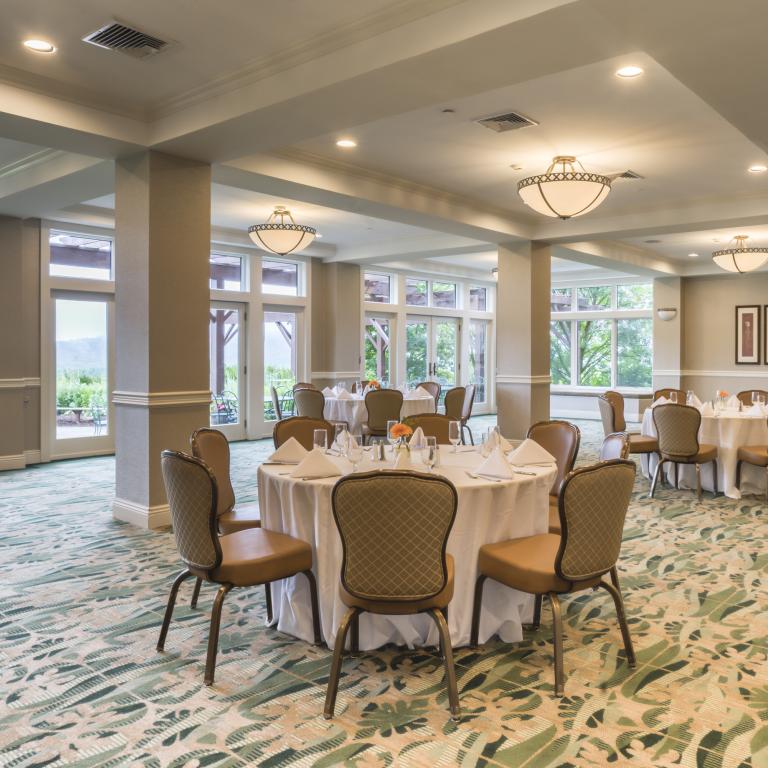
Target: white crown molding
{"type": "Point", "coordinates": [162, 399]}
{"type": "Point", "coordinates": [23, 383]}
{"type": "Point", "coordinates": [16, 461]}
{"type": "Point", "coordinates": [335, 374]}
{"type": "Point", "coordinates": [152, 518]}
{"type": "Point", "coordinates": [751, 374]}
{"type": "Point", "coordinates": [509, 378]}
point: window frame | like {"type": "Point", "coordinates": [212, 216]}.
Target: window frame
{"type": "Point", "coordinates": [391, 277]}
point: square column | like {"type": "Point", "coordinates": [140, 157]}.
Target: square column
{"type": "Point", "coordinates": [162, 247]}
{"type": "Point", "coordinates": [667, 334]}
{"type": "Point", "coordinates": [522, 336]}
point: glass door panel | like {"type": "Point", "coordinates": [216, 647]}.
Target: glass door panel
{"type": "Point", "coordinates": [445, 343]}
{"type": "Point", "coordinates": [226, 369]}
{"type": "Point", "coordinates": [417, 360]}
{"type": "Point", "coordinates": [478, 351]}
{"type": "Point", "coordinates": [377, 349]}
{"type": "Point", "coordinates": [280, 360]}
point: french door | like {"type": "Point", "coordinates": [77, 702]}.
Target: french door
{"type": "Point", "coordinates": [81, 412]}
{"type": "Point", "coordinates": [432, 350]}
{"type": "Point", "coordinates": [479, 342]}
{"type": "Point", "coordinates": [378, 348]}
{"type": "Point", "coordinates": [226, 333]}
{"type": "Point", "coordinates": [282, 329]}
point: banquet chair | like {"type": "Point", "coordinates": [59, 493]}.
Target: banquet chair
{"type": "Point", "coordinates": [611, 406]}
{"type": "Point", "coordinates": [433, 388]}
{"type": "Point", "coordinates": [757, 455]}
{"type": "Point", "coordinates": [667, 391]}
{"type": "Point", "coordinates": [466, 412]}
{"type": "Point", "coordinates": [303, 385]}
{"type": "Point", "coordinates": [309, 402]}
{"type": "Point", "coordinates": [746, 396]}
{"type": "Point", "coordinates": [453, 403]}
{"type": "Point", "coordinates": [615, 446]}
{"type": "Point", "coordinates": [592, 506]}
{"type": "Point", "coordinates": [276, 404]}
{"type": "Point", "coordinates": [432, 424]}
{"type": "Point", "coordinates": [394, 529]}
{"type": "Point", "coordinates": [303, 429]}
{"type": "Point", "coordinates": [678, 429]}
{"type": "Point", "coordinates": [246, 558]}
{"type": "Point", "coordinates": [562, 440]}
{"type": "Point", "coordinates": [383, 405]}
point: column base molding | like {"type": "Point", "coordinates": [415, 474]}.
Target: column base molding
{"type": "Point", "coordinates": [32, 457]}
{"type": "Point", "coordinates": [15, 461]}
{"type": "Point", "coordinates": [335, 375]}
{"type": "Point", "coordinates": [152, 518]}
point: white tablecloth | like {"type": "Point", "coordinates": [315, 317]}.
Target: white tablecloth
{"type": "Point", "coordinates": [487, 512]}
{"type": "Point", "coordinates": [729, 431]}
{"type": "Point", "coordinates": [355, 413]}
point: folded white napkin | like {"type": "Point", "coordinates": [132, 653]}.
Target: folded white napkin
{"type": "Point", "coordinates": [695, 402]}
{"type": "Point", "coordinates": [707, 409]}
{"type": "Point", "coordinates": [342, 394]}
{"type": "Point", "coordinates": [417, 438]}
{"type": "Point", "coordinates": [316, 464]}
{"type": "Point", "coordinates": [756, 410]}
{"type": "Point", "coordinates": [495, 440]}
{"type": "Point", "coordinates": [403, 460]}
{"type": "Point", "coordinates": [341, 443]}
{"type": "Point", "coordinates": [496, 465]}
{"type": "Point", "coordinates": [530, 452]}
{"type": "Point", "coordinates": [328, 392]}
{"type": "Point", "coordinates": [661, 401]}
{"type": "Point", "coordinates": [290, 452]}
{"type": "Point", "coordinates": [733, 402]}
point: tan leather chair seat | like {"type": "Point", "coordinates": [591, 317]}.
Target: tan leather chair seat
{"type": "Point", "coordinates": [239, 519]}
{"type": "Point", "coordinates": [398, 608]}
{"type": "Point", "coordinates": [706, 453]}
{"type": "Point", "coordinates": [754, 454]}
{"type": "Point", "coordinates": [554, 516]}
{"type": "Point", "coordinates": [643, 444]}
{"type": "Point", "coordinates": [527, 564]}
{"type": "Point", "coordinates": [256, 556]}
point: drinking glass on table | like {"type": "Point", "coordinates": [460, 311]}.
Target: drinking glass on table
{"type": "Point", "coordinates": [355, 450]}
{"type": "Point", "coordinates": [454, 434]}
{"type": "Point", "coordinates": [429, 453]}
{"type": "Point", "coordinates": [340, 438]}
{"type": "Point", "coordinates": [689, 397]}
{"type": "Point", "coordinates": [320, 439]}
{"type": "Point", "coordinates": [757, 398]}
{"type": "Point", "coordinates": [391, 423]}
{"type": "Point", "coordinates": [673, 397]}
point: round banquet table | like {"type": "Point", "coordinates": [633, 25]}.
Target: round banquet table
{"type": "Point", "coordinates": [729, 430]}
{"type": "Point", "coordinates": [354, 412]}
{"type": "Point", "coordinates": [487, 512]}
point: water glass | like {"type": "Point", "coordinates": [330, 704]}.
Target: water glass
{"type": "Point", "coordinates": [429, 453]}
{"type": "Point", "coordinates": [320, 439]}
{"type": "Point", "coordinates": [454, 434]}
{"type": "Point", "coordinates": [340, 438]}
{"type": "Point", "coordinates": [689, 397]}
{"type": "Point", "coordinates": [391, 423]}
{"type": "Point", "coordinates": [355, 451]}
{"type": "Point", "coordinates": [673, 397]}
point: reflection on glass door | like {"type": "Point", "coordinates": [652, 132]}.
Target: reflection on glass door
{"type": "Point", "coordinates": [417, 361]}
{"type": "Point", "coordinates": [83, 375]}
{"type": "Point", "coordinates": [226, 369]}
{"type": "Point", "coordinates": [432, 350]}
{"type": "Point", "coordinates": [377, 349]}
{"type": "Point", "coordinates": [445, 343]}
{"type": "Point", "coordinates": [478, 351]}
{"type": "Point", "coordinates": [280, 360]}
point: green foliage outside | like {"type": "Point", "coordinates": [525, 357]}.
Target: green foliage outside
{"type": "Point", "coordinates": [376, 366]}
{"type": "Point", "coordinates": [635, 352]}
{"type": "Point", "coordinates": [560, 351]}
{"type": "Point", "coordinates": [282, 379]}
{"type": "Point", "coordinates": [81, 389]}
{"type": "Point", "coordinates": [637, 296]}
{"type": "Point", "coordinates": [594, 342]}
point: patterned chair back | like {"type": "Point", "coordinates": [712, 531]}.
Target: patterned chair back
{"type": "Point", "coordinates": [469, 401]}
{"type": "Point", "coordinates": [309, 402]}
{"type": "Point", "coordinates": [433, 388]}
{"type": "Point", "coordinates": [616, 399]}
{"type": "Point", "coordinates": [191, 489]}
{"type": "Point", "coordinates": [593, 503]}
{"type": "Point", "coordinates": [454, 403]}
{"type": "Point", "coordinates": [746, 396]}
{"type": "Point", "coordinates": [562, 440]}
{"type": "Point", "coordinates": [212, 447]}
{"type": "Point", "coordinates": [615, 446]}
{"type": "Point", "coordinates": [383, 405]}
{"type": "Point", "coordinates": [667, 391]}
{"type": "Point", "coordinates": [432, 424]}
{"type": "Point", "coordinates": [394, 528]}
{"type": "Point", "coordinates": [276, 403]}
{"type": "Point", "coordinates": [303, 429]}
{"type": "Point", "coordinates": [677, 427]}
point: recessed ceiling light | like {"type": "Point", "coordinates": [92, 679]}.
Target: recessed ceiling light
{"type": "Point", "coordinates": [693, 255]}
{"type": "Point", "coordinates": [346, 143]}
{"type": "Point", "coordinates": [39, 46]}
{"type": "Point", "coordinates": [759, 168]}
{"type": "Point", "coordinates": [630, 71]}
{"type": "Point", "coordinates": [652, 241]}
{"type": "Point", "coordinates": [448, 111]}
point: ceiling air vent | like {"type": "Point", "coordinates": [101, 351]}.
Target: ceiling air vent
{"type": "Point", "coordinates": [629, 175]}
{"type": "Point", "coordinates": [119, 37]}
{"type": "Point", "coordinates": [510, 121]}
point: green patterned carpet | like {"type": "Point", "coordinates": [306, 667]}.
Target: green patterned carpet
{"type": "Point", "coordinates": [81, 684]}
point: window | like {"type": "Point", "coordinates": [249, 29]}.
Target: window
{"type": "Point", "coordinates": [80, 256]}
{"type": "Point", "coordinates": [377, 347]}
{"type": "Point", "coordinates": [478, 298]}
{"type": "Point", "coordinates": [443, 295]}
{"type": "Point", "coordinates": [614, 349]}
{"type": "Point", "coordinates": [377, 288]}
{"type": "Point", "coordinates": [478, 347]}
{"type": "Point", "coordinates": [280, 277]}
{"type": "Point", "coordinates": [416, 292]}
{"type": "Point", "coordinates": [227, 272]}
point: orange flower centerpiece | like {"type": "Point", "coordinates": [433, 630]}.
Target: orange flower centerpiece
{"type": "Point", "coordinates": [722, 400]}
{"type": "Point", "coordinates": [400, 433]}
{"type": "Point", "coordinates": [373, 384]}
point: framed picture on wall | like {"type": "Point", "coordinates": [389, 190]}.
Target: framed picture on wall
{"type": "Point", "coordinates": [748, 336]}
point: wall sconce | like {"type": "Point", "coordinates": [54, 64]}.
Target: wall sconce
{"type": "Point", "coordinates": [495, 273]}
{"type": "Point", "coordinates": [666, 313]}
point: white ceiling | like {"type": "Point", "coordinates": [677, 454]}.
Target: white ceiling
{"type": "Point", "coordinates": [678, 245]}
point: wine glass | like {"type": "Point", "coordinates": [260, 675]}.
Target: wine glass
{"type": "Point", "coordinates": [673, 397]}
{"type": "Point", "coordinates": [689, 397]}
{"type": "Point", "coordinates": [355, 451]}
{"type": "Point", "coordinates": [429, 453]}
{"type": "Point", "coordinates": [755, 398]}
{"type": "Point", "coordinates": [320, 439]}
{"type": "Point", "coordinates": [454, 434]}
{"type": "Point", "coordinates": [391, 423]}
{"type": "Point", "coordinates": [340, 438]}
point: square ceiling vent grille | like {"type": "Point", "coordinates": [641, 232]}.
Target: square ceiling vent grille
{"type": "Point", "coordinates": [509, 121]}
{"type": "Point", "coordinates": [123, 39]}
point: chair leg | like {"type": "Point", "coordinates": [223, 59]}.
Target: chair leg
{"type": "Point", "coordinates": [338, 651]}
{"type": "Point", "coordinates": [315, 606]}
{"type": "Point", "coordinates": [471, 437]}
{"type": "Point", "coordinates": [450, 670]}
{"type": "Point", "coordinates": [354, 638]}
{"type": "Point", "coordinates": [476, 610]}
{"type": "Point", "coordinates": [698, 482]}
{"type": "Point", "coordinates": [738, 474]}
{"type": "Point", "coordinates": [196, 592]}
{"type": "Point", "coordinates": [615, 577]}
{"type": "Point", "coordinates": [183, 576]}
{"type": "Point", "coordinates": [557, 636]}
{"type": "Point", "coordinates": [619, 603]}
{"type": "Point", "coordinates": [677, 483]}
{"type": "Point", "coordinates": [714, 476]}
{"type": "Point", "coordinates": [268, 597]}
{"type": "Point", "coordinates": [656, 475]}
{"type": "Point", "coordinates": [213, 634]}
{"type": "Point", "coordinates": [536, 623]}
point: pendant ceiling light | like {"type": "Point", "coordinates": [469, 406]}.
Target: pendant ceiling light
{"type": "Point", "coordinates": [563, 191]}
{"type": "Point", "coordinates": [280, 236]}
{"type": "Point", "coordinates": [740, 258]}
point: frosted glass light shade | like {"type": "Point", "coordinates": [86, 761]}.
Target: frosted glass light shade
{"type": "Point", "coordinates": [563, 192]}
{"type": "Point", "coordinates": [740, 258]}
{"type": "Point", "coordinates": [282, 237]}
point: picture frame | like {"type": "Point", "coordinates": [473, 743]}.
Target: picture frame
{"type": "Point", "coordinates": [748, 334]}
